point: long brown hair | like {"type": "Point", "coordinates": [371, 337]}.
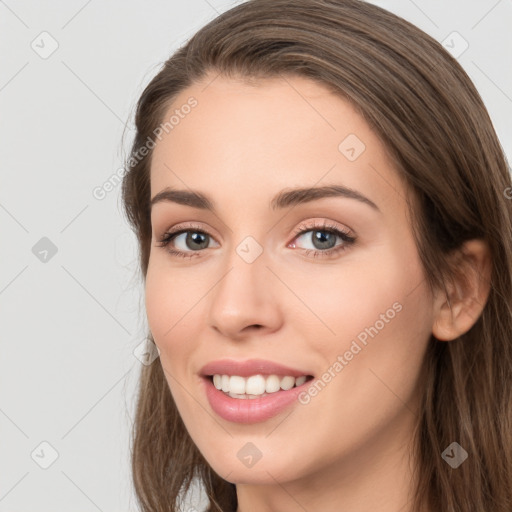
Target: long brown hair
{"type": "Point", "coordinates": [430, 117]}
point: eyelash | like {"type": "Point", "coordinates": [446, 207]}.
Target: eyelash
{"type": "Point", "coordinates": [348, 239]}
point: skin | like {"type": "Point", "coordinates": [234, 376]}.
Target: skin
{"type": "Point", "coordinates": [348, 449]}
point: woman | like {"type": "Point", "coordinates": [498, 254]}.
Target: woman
{"type": "Point", "coordinates": [325, 239]}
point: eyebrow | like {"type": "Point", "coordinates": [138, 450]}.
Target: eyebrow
{"type": "Point", "coordinates": [284, 199]}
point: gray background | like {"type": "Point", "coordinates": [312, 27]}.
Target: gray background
{"type": "Point", "coordinates": [72, 320]}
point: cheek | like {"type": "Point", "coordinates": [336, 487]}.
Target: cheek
{"type": "Point", "coordinates": [159, 304]}
{"type": "Point", "coordinates": [342, 301]}
{"type": "Point", "coordinates": [381, 314]}
{"type": "Point", "coordinates": [374, 312]}
{"type": "Point", "coordinates": [171, 305]}
{"type": "Point", "coordinates": [173, 314]}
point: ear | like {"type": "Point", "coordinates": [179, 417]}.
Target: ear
{"type": "Point", "coordinates": [458, 309]}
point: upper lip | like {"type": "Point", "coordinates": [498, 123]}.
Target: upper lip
{"type": "Point", "coordinates": [249, 367]}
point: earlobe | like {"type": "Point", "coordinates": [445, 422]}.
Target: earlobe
{"type": "Point", "coordinates": [458, 309]}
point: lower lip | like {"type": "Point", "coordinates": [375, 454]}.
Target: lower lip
{"type": "Point", "coordinates": [250, 410]}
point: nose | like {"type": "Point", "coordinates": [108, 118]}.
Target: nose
{"type": "Point", "coordinates": [245, 299]}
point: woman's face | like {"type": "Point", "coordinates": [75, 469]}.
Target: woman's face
{"type": "Point", "coordinates": [345, 305]}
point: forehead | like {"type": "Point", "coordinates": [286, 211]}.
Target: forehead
{"type": "Point", "coordinates": [270, 133]}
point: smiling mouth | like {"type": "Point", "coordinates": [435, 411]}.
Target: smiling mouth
{"type": "Point", "coordinates": [256, 386]}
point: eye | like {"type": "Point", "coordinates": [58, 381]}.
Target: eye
{"type": "Point", "coordinates": [193, 240]}
{"type": "Point", "coordinates": [322, 238]}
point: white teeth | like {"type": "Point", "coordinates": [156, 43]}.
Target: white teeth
{"type": "Point", "coordinates": [272, 384]}
{"type": "Point", "coordinates": [236, 385]}
{"type": "Point", "coordinates": [255, 386]}
{"type": "Point", "coordinates": [287, 383]}
{"type": "Point", "coordinates": [225, 383]}
{"type": "Point", "coordinates": [300, 380]}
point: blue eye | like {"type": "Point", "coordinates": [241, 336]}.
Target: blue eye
{"type": "Point", "coordinates": [323, 237]}
{"type": "Point", "coordinates": [195, 238]}
{"type": "Point", "coordinates": [323, 240]}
